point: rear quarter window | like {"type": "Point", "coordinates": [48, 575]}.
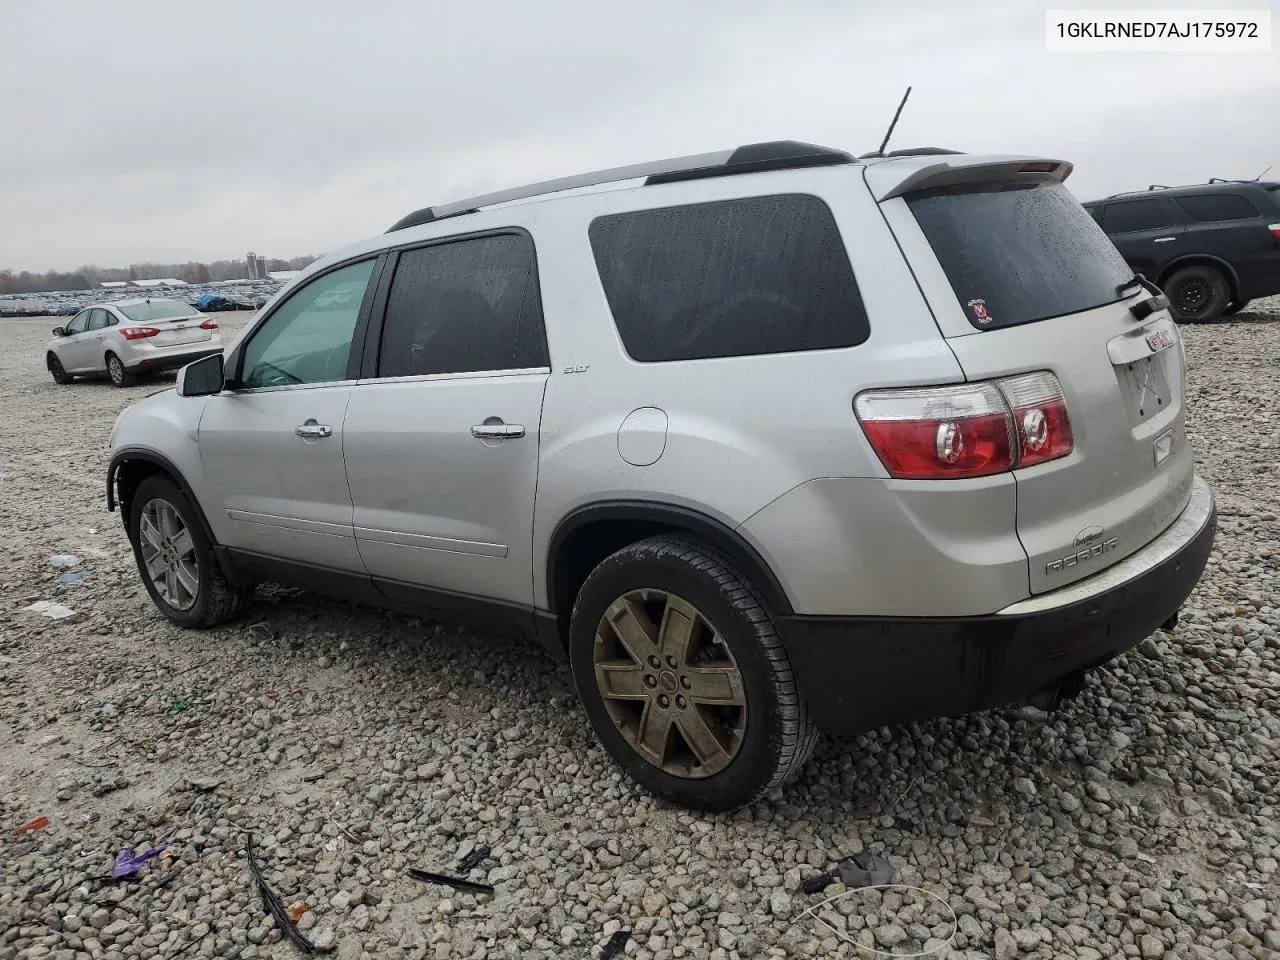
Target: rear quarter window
{"type": "Point", "coordinates": [729, 278]}
{"type": "Point", "coordinates": [1018, 253]}
{"type": "Point", "coordinates": [1218, 207]}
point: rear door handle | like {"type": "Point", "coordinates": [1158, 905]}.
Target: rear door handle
{"type": "Point", "coordinates": [497, 431]}
{"type": "Point", "coordinates": [1165, 239]}
{"type": "Point", "coordinates": [313, 431]}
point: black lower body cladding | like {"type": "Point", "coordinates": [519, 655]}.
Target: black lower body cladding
{"type": "Point", "coordinates": [857, 674]}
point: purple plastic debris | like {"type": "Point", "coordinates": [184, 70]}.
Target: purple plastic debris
{"type": "Point", "coordinates": [127, 864]}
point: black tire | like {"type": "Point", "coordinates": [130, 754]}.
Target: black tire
{"type": "Point", "coordinates": [120, 375]}
{"type": "Point", "coordinates": [1197, 294]}
{"type": "Point", "coordinates": [779, 735]}
{"type": "Point", "coordinates": [1235, 307]}
{"type": "Point", "coordinates": [56, 369]}
{"type": "Point", "coordinates": [216, 601]}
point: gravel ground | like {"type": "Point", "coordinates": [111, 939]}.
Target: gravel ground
{"type": "Point", "coordinates": [1140, 820]}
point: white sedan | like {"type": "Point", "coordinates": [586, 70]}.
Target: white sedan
{"type": "Point", "coordinates": [129, 337]}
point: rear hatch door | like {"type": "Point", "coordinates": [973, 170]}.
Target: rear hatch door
{"type": "Point", "coordinates": [1022, 279]}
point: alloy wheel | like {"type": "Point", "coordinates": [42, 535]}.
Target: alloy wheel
{"type": "Point", "coordinates": [115, 368]}
{"type": "Point", "coordinates": [670, 683]}
{"type": "Point", "coordinates": [169, 554]}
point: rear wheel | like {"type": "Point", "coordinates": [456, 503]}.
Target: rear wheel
{"type": "Point", "coordinates": [119, 374]}
{"type": "Point", "coordinates": [1235, 307]}
{"type": "Point", "coordinates": [1197, 294]}
{"type": "Point", "coordinates": [176, 560]}
{"type": "Point", "coordinates": [59, 374]}
{"type": "Point", "coordinates": [684, 678]}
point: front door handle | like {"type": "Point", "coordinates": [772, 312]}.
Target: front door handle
{"type": "Point", "coordinates": [1165, 239]}
{"type": "Point", "coordinates": [313, 431]}
{"type": "Point", "coordinates": [497, 431]}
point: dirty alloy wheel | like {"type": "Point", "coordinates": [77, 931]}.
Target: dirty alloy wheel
{"type": "Point", "coordinates": [684, 678]}
{"type": "Point", "coordinates": [58, 372]}
{"type": "Point", "coordinates": [175, 558]}
{"type": "Point", "coordinates": [1197, 294]}
{"type": "Point", "coordinates": [119, 375]}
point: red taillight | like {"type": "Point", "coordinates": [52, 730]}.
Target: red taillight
{"type": "Point", "coordinates": [209, 324]}
{"type": "Point", "coordinates": [938, 432]}
{"type": "Point", "coordinates": [974, 430]}
{"type": "Point", "coordinates": [1039, 416]}
{"type": "Point", "coordinates": [138, 333]}
{"type": "Point", "coordinates": [1275, 229]}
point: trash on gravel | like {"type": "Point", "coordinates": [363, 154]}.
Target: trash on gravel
{"type": "Point", "coordinates": [71, 576]}
{"type": "Point", "coordinates": [47, 608]}
{"type": "Point", "coordinates": [127, 864]}
{"type": "Point", "coordinates": [65, 561]}
{"type": "Point", "coordinates": [473, 859]}
{"type": "Point", "coordinates": [426, 876]}
{"type": "Point", "coordinates": [39, 823]}
{"type": "Point", "coordinates": [262, 632]}
{"type": "Point", "coordinates": [178, 706]}
{"type": "Point", "coordinates": [296, 911]}
{"type": "Point", "coordinates": [614, 945]}
{"type": "Point", "coordinates": [275, 906]}
{"type": "Point", "coordinates": [863, 870]}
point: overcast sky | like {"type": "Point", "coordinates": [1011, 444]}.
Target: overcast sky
{"type": "Point", "coordinates": [199, 130]}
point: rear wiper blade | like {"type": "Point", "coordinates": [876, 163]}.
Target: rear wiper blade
{"type": "Point", "coordinates": [1134, 283]}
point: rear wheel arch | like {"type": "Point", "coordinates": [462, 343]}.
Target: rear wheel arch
{"type": "Point", "coordinates": [589, 534]}
{"type": "Point", "coordinates": [1202, 260]}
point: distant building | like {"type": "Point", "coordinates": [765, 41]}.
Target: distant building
{"type": "Point", "coordinates": [133, 284]}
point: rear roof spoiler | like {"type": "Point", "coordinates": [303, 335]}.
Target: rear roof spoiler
{"type": "Point", "coordinates": [895, 176]}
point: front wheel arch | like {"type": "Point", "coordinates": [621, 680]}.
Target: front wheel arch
{"type": "Point", "coordinates": [129, 468]}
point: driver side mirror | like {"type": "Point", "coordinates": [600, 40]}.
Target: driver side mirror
{"type": "Point", "coordinates": [203, 378]}
{"type": "Point", "coordinates": [59, 331]}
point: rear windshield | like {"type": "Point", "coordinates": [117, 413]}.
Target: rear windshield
{"type": "Point", "coordinates": [156, 310]}
{"type": "Point", "coordinates": [1017, 253]}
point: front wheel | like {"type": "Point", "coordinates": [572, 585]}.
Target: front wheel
{"type": "Point", "coordinates": [1197, 294]}
{"type": "Point", "coordinates": [119, 374]}
{"type": "Point", "coordinates": [58, 372]}
{"type": "Point", "coordinates": [684, 678]}
{"type": "Point", "coordinates": [176, 560]}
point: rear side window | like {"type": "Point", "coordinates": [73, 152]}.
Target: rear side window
{"type": "Point", "coordinates": [1016, 253]}
{"type": "Point", "coordinates": [1215, 207]}
{"type": "Point", "coordinates": [729, 278]}
{"type": "Point", "coordinates": [1134, 215]}
{"type": "Point", "coordinates": [464, 307]}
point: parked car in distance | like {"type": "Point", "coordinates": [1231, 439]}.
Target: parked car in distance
{"type": "Point", "coordinates": [1211, 247]}
{"type": "Point", "coordinates": [764, 442]}
{"type": "Point", "coordinates": [130, 337]}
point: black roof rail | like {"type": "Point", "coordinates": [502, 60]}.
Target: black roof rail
{"type": "Point", "coordinates": [751, 158]}
{"type": "Point", "coordinates": [913, 152]}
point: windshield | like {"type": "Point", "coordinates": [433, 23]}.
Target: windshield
{"type": "Point", "coordinates": [156, 310]}
{"type": "Point", "coordinates": [1016, 253]}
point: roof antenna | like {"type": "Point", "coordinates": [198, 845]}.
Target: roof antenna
{"type": "Point", "coordinates": [1264, 173]}
{"type": "Point", "coordinates": [889, 133]}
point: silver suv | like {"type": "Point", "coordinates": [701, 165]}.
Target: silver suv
{"type": "Point", "coordinates": [763, 442]}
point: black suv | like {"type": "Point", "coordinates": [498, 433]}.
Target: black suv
{"type": "Point", "coordinates": [1211, 248]}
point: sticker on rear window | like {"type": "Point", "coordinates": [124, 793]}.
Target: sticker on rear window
{"type": "Point", "coordinates": [980, 314]}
